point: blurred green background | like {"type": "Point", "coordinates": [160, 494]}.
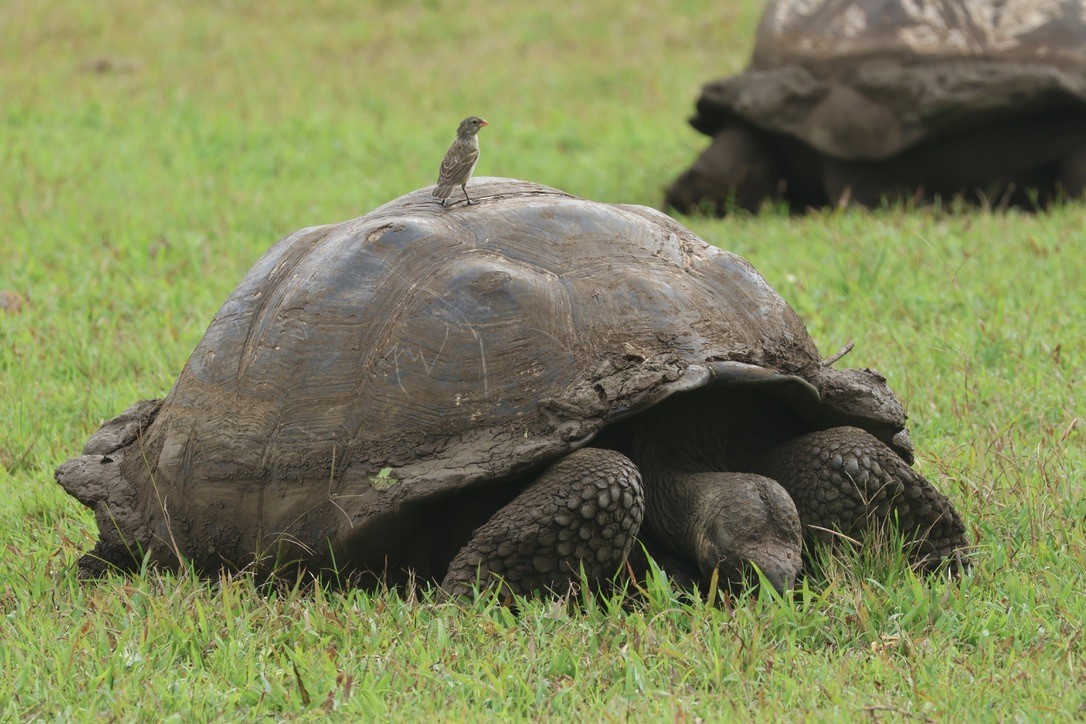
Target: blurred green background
{"type": "Point", "coordinates": [151, 151]}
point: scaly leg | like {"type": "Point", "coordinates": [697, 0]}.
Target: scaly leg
{"type": "Point", "coordinates": [584, 510]}
{"type": "Point", "coordinates": [845, 479]}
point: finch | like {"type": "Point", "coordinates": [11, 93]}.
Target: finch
{"type": "Point", "coordinates": [460, 160]}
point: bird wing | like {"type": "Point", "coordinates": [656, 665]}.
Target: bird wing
{"type": "Point", "coordinates": [457, 164]}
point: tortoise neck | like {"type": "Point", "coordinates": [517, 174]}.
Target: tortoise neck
{"type": "Point", "coordinates": [669, 451]}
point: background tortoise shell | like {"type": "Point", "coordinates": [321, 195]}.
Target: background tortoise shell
{"type": "Point", "coordinates": [867, 80]}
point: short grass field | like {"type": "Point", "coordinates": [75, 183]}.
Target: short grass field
{"type": "Point", "coordinates": [151, 151]}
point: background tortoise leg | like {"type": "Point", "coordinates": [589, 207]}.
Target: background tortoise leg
{"type": "Point", "coordinates": [1073, 173]}
{"type": "Point", "coordinates": [845, 479]}
{"type": "Point", "coordinates": [734, 169]}
{"type": "Point", "coordinates": [584, 510]}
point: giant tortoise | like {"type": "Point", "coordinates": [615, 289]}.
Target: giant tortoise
{"type": "Point", "coordinates": [515, 390]}
{"type": "Point", "coordinates": [871, 99]}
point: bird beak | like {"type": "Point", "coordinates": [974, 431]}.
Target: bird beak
{"type": "Point", "coordinates": [483, 123]}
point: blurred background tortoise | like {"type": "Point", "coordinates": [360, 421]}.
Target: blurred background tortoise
{"type": "Point", "coordinates": [870, 99]}
{"type": "Point", "coordinates": [516, 389]}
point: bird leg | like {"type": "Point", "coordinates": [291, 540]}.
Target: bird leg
{"type": "Point", "coordinates": [464, 186]}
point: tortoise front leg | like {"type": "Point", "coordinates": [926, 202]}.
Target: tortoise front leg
{"type": "Point", "coordinates": [844, 479]}
{"type": "Point", "coordinates": [584, 510]}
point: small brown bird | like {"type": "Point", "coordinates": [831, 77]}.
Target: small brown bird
{"type": "Point", "coordinates": [460, 160]}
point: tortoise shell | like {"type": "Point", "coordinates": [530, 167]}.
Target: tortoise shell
{"type": "Point", "coordinates": [364, 370]}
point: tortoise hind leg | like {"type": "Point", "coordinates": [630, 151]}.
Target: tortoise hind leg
{"type": "Point", "coordinates": [582, 511]}
{"type": "Point", "coordinates": [96, 478]}
{"type": "Point", "coordinates": [106, 558]}
{"type": "Point", "coordinates": [98, 482]}
{"type": "Point", "coordinates": [847, 480]}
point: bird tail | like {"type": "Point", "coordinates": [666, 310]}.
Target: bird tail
{"type": "Point", "coordinates": [443, 191]}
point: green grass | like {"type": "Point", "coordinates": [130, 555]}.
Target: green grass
{"type": "Point", "coordinates": [132, 201]}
